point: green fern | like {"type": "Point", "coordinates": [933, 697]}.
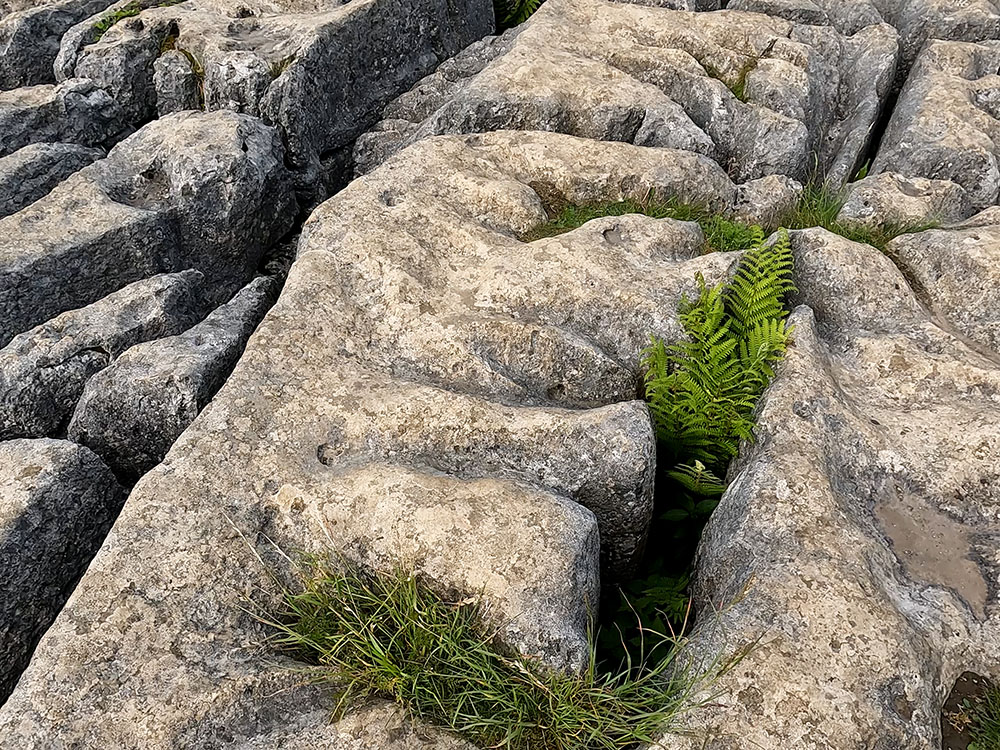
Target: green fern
{"type": "Point", "coordinates": [510, 13]}
{"type": "Point", "coordinates": [702, 391]}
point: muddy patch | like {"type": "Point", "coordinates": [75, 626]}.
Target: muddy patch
{"type": "Point", "coordinates": [932, 547]}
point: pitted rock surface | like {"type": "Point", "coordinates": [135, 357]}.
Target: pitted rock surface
{"type": "Point", "coordinates": [131, 412]}
{"type": "Point", "coordinates": [43, 371]}
{"type": "Point", "coordinates": [657, 77]}
{"type": "Point", "coordinates": [428, 389]}
{"type": "Point", "coordinates": [30, 173]}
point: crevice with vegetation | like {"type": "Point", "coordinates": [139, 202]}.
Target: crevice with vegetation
{"type": "Point", "coordinates": [390, 636]}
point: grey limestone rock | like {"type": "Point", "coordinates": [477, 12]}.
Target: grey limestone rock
{"type": "Point", "coordinates": [192, 190]}
{"type": "Point", "coordinates": [30, 34]}
{"type": "Point", "coordinates": [659, 77]}
{"type": "Point", "coordinates": [317, 70]}
{"type": "Point", "coordinates": [131, 412]}
{"type": "Point", "coordinates": [945, 126]}
{"type": "Point", "coordinates": [429, 390]}
{"type": "Point", "coordinates": [43, 371]}
{"type": "Point", "coordinates": [57, 501]}
{"type": "Point", "coordinates": [31, 172]}
{"type": "Point", "coordinates": [890, 198]}
{"type": "Point", "coordinates": [75, 111]}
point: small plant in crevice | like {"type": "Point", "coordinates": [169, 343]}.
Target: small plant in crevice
{"type": "Point", "coordinates": [390, 636]}
{"type": "Point", "coordinates": [510, 13]}
{"type": "Point", "coordinates": [820, 205]}
{"type": "Point", "coordinates": [702, 392]}
{"type": "Point", "coordinates": [721, 233]}
{"type": "Point", "coordinates": [984, 715]}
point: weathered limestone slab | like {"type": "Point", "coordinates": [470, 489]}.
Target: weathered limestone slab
{"type": "Point", "coordinates": [916, 20]}
{"type": "Point", "coordinates": [318, 70]}
{"type": "Point", "coordinates": [57, 501]}
{"type": "Point", "coordinates": [30, 32]}
{"type": "Point", "coordinates": [75, 111]}
{"type": "Point", "coordinates": [428, 390]}
{"type": "Point", "coordinates": [132, 411]}
{"type": "Point", "coordinates": [945, 126]}
{"type": "Point", "coordinates": [858, 539]}
{"type": "Point", "coordinates": [657, 77]}
{"type": "Point", "coordinates": [890, 198]}
{"type": "Point", "coordinates": [31, 172]}
{"type": "Point", "coordinates": [43, 371]}
{"type": "Point", "coordinates": [193, 190]}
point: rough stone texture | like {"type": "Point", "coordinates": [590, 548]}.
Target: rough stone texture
{"type": "Point", "coordinates": [75, 111]}
{"type": "Point", "coordinates": [57, 501]}
{"type": "Point", "coordinates": [31, 172]}
{"type": "Point", "coordinates": [177, 84]}
{"type": "Point", "coordinates": [192, 190]}
{"type": "Point", "coordinates": [655, 77]}
{"type": "Point", "coordinates": [916, 20]}
{"type": "Point", "coordinates": [131, 412]}
{"type": "Point", "coordinates": [945, 126]}
{"type": "Point", "coordinates": [858, 539]}
{"type": "Point", "coordinates": [29, 37]}
{"type": "Point", "coordinates": [428, 389]}
{"type": "Point", "coordinates": [318, 70]}
{"type": "Point", "coordinates": [891, 198]}
{"type": "Point", "coordinates": [43, 371]}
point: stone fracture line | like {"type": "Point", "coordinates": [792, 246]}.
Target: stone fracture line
{"type": "Point", "coordinates": [858, 539]}
{"type": "Point", "coordinates": [658, 77]}
{"type": "Point", "coordinates": [428, 391]}
{"type": "Point", "coordinates": [317, 69]}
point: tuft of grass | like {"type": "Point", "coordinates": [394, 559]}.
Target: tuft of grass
{"type": "Point", "coordinates": [721, 234]}
{"type": "Point", "coordinates": [819, 206]}
{"type": "Point", "coordinates": [388, 635]}
{"type": "Point", "coordinates": [280, 66]}
{"type": "Point", "coordinates": [984, 713]}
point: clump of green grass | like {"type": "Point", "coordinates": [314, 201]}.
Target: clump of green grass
{"type": "Point", "coordinates": [721, 234]}
{"type": "Point", "coordinates": [390, 636]}
{"type": "Point", "coordinates": [985, 720]}
{"type": "Point", "coordinates": [819, 206]}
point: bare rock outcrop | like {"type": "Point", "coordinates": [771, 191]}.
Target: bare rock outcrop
{"type": "Point", "coordinates": [760, 95]}
{"type": "Point", "coordinates": [57, 501]}
{"type": "Point", "coordinates": [30, 34]}
{"type": "Point", "coordinates": [132, 411]}
{"type": "Point", "coordinates": [30, 173]}
{"type": "Point", "coordinates": [208, 191]}
{"type": "Point", "coordinates": [429, 390]}
{"type": "Point", "coordinates": [318, 70]}
{"type": "Point", "coordinates": [945, 125]}
{"type": "Point", "coordinates": [43, 371]}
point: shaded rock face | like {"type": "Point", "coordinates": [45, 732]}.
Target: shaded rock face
{"type": "Point", "coordinates": [317, 70]}
{"type": "Point", "coordinates": [43, 371]}
{"type": "Point", "coordinates": [75, 111]}
{"type": "Point", "coordinates": [131, 412]}
{"type": "Point", "coordinates": [57, 500]}
{"type": "Point", "coordinates": [428, 390]}
{"type": "Point", "coordinates": [31, 172]}
{"type": "Point", "coordinates": [657, 77]}
{"type": "Point", "coordinates": [203, 191]}
{"type": "Point", "coordinates": [869, 501]}
{"type": "Point", "coordinates": [30, 34]}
